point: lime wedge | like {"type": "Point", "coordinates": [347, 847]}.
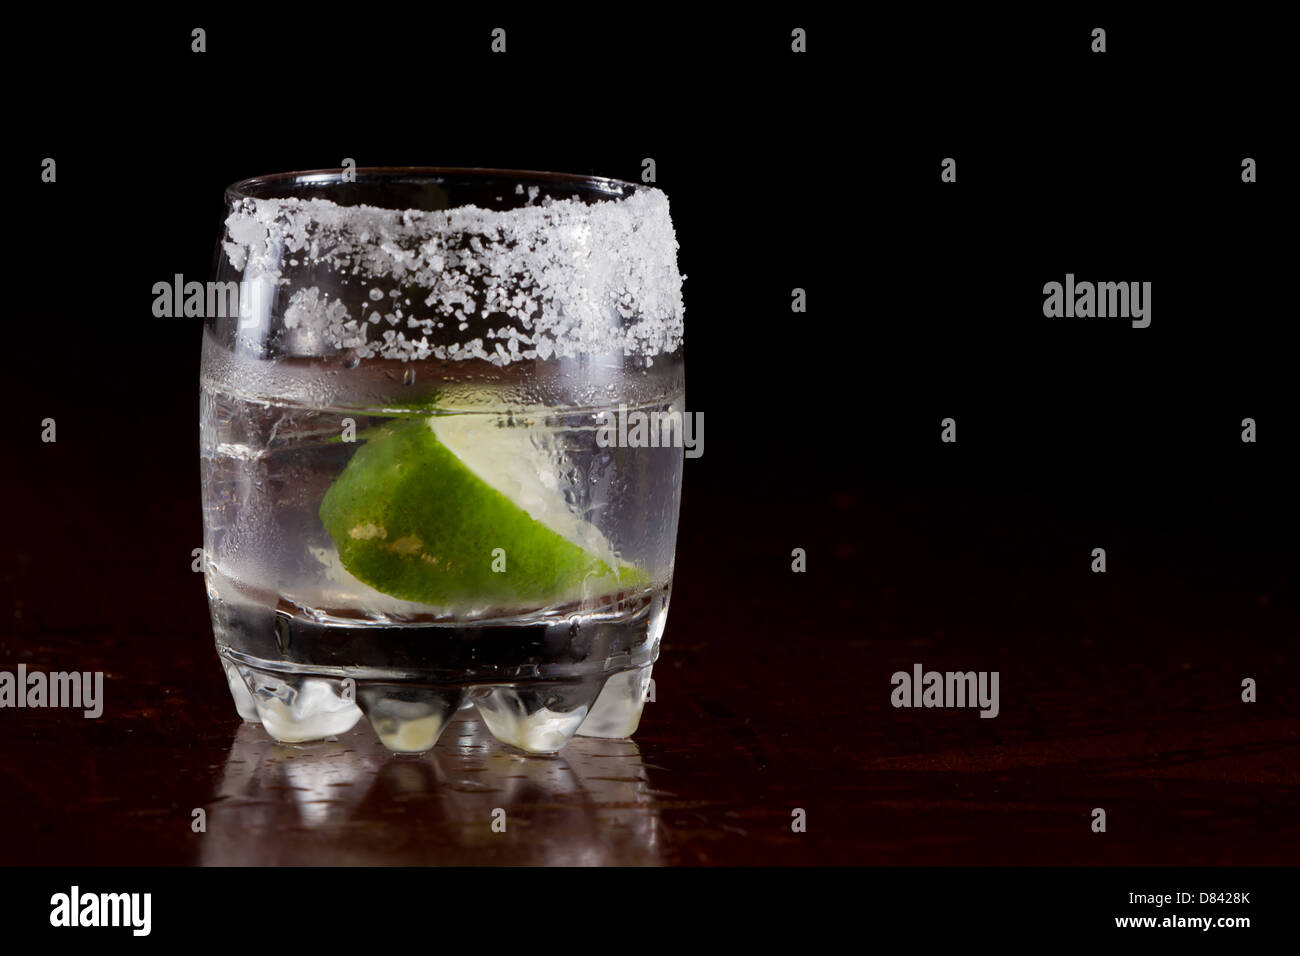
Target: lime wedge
{"type": "Point", "coordinates": [451, 511]}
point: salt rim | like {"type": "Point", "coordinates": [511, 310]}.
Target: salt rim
{"type": "Point", "coordinates": [569, 278]}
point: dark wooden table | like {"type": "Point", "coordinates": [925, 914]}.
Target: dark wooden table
{"type": "Point", "coordinates": [772, 694]}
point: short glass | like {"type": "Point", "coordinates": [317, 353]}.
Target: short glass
{"type": "Point", "coordinates": [441, 421]}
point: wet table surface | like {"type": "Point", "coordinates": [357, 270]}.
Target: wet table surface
{"type": "Point", "coordinates": [772, 696]}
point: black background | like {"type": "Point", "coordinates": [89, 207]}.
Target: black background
{"type": "Point", "coordinates": [818, 171]}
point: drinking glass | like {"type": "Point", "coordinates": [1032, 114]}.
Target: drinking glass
{"type": "Point", "coordinates": [439, 465]}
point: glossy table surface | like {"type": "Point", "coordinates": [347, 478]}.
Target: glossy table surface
{"type": "Point", "coordinates": [772, 695]}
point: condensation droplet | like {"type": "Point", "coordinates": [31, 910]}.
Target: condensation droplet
{"type": "Point", "coordinates": [351, 358]}
{"type": "Point", "coordinates": [408, 377]}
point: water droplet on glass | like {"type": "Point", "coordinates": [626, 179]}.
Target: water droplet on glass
{"type": "Point", "coordinates": [351, 359]}
{"type": "Point", "coordinates": [408, 377]}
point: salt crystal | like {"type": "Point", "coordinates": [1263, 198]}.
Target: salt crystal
{"type": "Point", "coordinates": [582, 279]}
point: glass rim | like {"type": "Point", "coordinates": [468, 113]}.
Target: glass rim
{"type": "Point", "coordinates": [246, 188]}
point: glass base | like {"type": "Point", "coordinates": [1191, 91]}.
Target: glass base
{"type": "Point", "coordinates": [536, 681]}
{"type": "Point", "coordinates": [408, 717]}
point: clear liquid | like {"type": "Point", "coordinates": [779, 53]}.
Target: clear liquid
{"type": "Point", "coordinates": [267, 466]}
